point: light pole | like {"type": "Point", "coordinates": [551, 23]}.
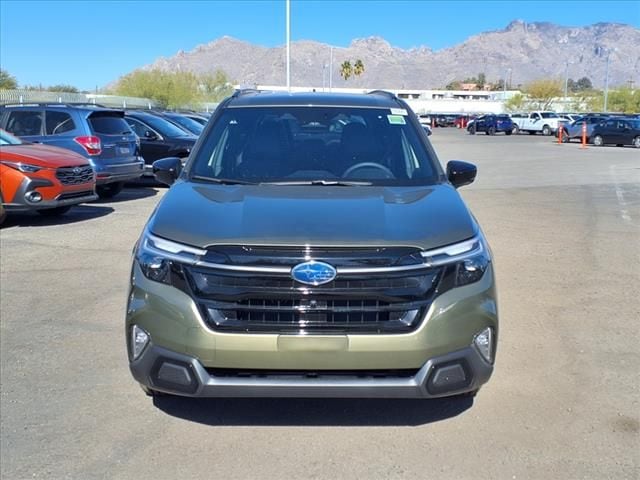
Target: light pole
{"type": "Point", "coordinates": [504, 84]}
{"type": "Point", "coordinates": [331, 69]}
{"type": "Point", "coordinates": [324, 69]}
{"type": "Point", "coordinates": [606, 83]}
{"type": "Point", "coordinates": [566, 79]}
{"type": "Point", "coordinates": [288, 28]}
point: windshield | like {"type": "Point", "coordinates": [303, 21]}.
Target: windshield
{"type": "Point", "coordinates": [314, 144]}
{"type": "Point", "coordinates": [549, 115]}
{"type": "Point", "coordinates": [186, 122]}
{"type": "Point", "coordinates": [165, 127]}
{"type": "Point", "coordinates": [7, 139]}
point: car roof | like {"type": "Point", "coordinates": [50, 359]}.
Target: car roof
{"type": "Point", "coordinates": [376, 99]}
{"type": "Point", "coordinates": [87, 107]}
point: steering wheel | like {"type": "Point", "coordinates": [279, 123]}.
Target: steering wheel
{"type": "Point", "coordinates": [360, 165]}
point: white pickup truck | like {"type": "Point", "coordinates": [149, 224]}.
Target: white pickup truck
{"type": "Point", "coordinates": [543, 122]}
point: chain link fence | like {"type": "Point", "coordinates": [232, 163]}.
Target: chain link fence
{"type": "Point", "coordinates": [36, 96]}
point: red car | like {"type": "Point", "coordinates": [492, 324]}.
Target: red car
{"type": "Point", "coordinates": [47, 179]}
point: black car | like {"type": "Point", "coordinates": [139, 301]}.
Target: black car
{"type": "Point", "coordinates": [617, 131]}
{"type": "Point", "coordinates": [184, 122]}
{"type": "Point", "coordinates": [201, 118]}
{"type": "Point", "coordinates": [159, 138]}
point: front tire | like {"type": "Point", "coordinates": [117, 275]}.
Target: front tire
{"type": "Point", "coordinates": [598, 141]}
{"type": "Point", "coordinates": [546, 130]}
{"type": "Point", "coordinates": [508, 132]}
{"type": "Point", "coordinates": [565, 136]}
{"type": "Point", "coordinates": [109, 190]}
{"type": "Point", "coordinates": [472, 130]}
{"type": "Point", "coordinates": [54, 212]}
{"type": "Point", "coordinates": [491, 131]}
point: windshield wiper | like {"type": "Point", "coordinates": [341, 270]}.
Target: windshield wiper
{"type": "Point", "coordinates": [340, 183]}
{"type": "Point", "coordinates": [222, 181]}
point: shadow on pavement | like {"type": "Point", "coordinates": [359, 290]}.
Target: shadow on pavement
{"type": "Point", "coordinates": [312, 412]}
{"type": "Point", "coordinates": [128, 194]}
{"type": "Point", "coordinates": [78, 213]}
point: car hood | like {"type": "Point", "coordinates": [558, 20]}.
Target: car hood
{"type": "Point", "coordinates": [205, 215]}
{"type": "Point", "coordinates": [46, 156]}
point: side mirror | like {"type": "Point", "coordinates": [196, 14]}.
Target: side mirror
{"type": "Point", "coordinates": [427, 130]}
{"type": "Point", "coordinates": [460, 173]}
{"type": "Point", "coordinates": [167, 170]}
{"type": "Point", "coordinates": [149, 135]}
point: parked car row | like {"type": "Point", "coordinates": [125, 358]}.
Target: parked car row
{"type": "Point", "coordinates": [614, 130]}
{"type": "Point", "coordinates": [601, 129]}
{"type": "Point", "coordinates": [55, 155]}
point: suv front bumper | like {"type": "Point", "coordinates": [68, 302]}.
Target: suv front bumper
{"type": "Point", "coordinates": [184, 356]}
{"type": "Point", "coordinates": [455, 373]}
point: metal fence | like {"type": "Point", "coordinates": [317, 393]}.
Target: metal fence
{"type": "Point", "coordinates": [38, 96]}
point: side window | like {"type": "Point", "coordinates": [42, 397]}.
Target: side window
{"type": "Point", "coordinates": [58, 122]}
{"type": "Point", "coordinates": [610, 124]}
{"type": "Point", "coordinates": [137, 127]}
{"type": "Point", "coordinates": [24, 123]}
{"type": "Point", "coordinates": [535, 116]}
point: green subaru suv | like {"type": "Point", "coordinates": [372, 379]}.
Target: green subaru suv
{"type": "Point", "coordinates": [312, 246]}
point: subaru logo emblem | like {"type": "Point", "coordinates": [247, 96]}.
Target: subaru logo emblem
{"type": "Point", "coordinates": [77, 170]}
{"type": "Point", "coordinates": [313, 273]}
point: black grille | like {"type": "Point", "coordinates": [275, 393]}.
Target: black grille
{"type": "Point", "coordinates": [391, 302]}
{"type": "Point", "coordinates": [310, 374]}
{"type": "Point", "coordinates": [75, 175]}
{"type": "Point", "coordinates": [67, 196]}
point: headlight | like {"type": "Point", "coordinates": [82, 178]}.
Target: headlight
{"type": "Point", "coordinates": [23, 167]}
{"type": "Point", "coordinates": [466, 260]}
{"type": "Point", "coordinates": [158, 257]}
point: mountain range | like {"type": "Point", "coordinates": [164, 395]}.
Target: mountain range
{"type": "Point", "coordinates": [521, 52]}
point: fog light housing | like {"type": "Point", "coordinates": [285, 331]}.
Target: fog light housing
{"type": "Point", "coordinates": [34, 197]}
{"type": "Point", "coordinates": [139, 340]}
{"type": "Point", "coordinates": [484, 343]}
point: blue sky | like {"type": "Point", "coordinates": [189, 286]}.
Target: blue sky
{"type": "Point", "coordinates": [90, 43]}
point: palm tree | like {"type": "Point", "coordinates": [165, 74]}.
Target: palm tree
{"type": "Point", "coordinates": [346, 70]}
{"type": "Point", "coordinates": [358, 68]}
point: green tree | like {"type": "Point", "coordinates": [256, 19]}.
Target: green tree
{"type": "Point", "coordinates": [62, 88]}
{"type": "Point", "coordinates": [346, 70]}
{"type": "Point", "coordinates": [482, 80]}
{"type": "Point", "coordinates": [358, 68]}
{"type": "Point", "coordinates": [7, 81]}
{"type": "Point", "coordinates": [543, 92]}
{"type": "Point", "coordinates": [454, 85]}
{"type": "Point", "coordinates": [215, 87]}
{"type": "Point", "coordinates": [515, 103]}
{"type": "Point", "coordinates": [174, 89]}
{"type": "Point", "coordinates": [583, 84]}
{"type": "Point", "coordinates": [623, 100]}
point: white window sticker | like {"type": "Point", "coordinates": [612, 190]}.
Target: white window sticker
{"type": "Point", "coordinates": [396, 119]}
{"type": "Point", "coordinates": [398, 111]}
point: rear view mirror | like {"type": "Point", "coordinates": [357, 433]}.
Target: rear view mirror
{"type": "Point", "coordinates": [167, 170]}
{"type": "Point", "coordinates": [461, 173]}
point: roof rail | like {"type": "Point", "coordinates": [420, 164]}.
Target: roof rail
{"type": "Point", "coordinates": [244, 91]}
{"type": "Point", "coordinates": [384, 93]}
{"type": "Point", "coordinates": [55, 104]}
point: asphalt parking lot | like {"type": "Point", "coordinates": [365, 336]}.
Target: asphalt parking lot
{"type": "Point", "coordinates": [564, 402]}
